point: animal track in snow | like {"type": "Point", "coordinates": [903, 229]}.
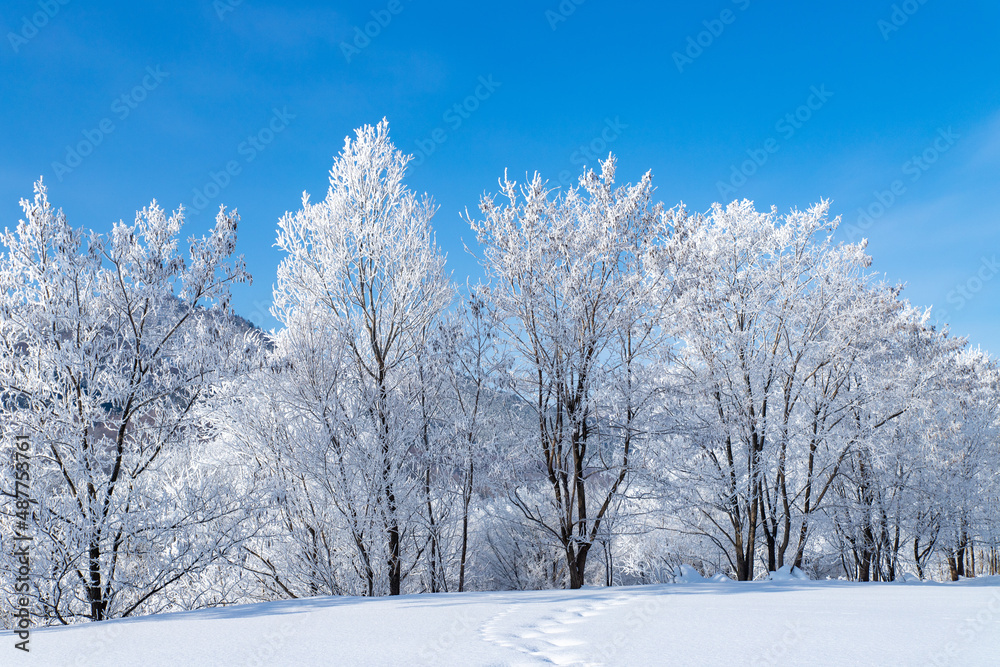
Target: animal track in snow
{"type": "Point", "coordinates": [545, 639]}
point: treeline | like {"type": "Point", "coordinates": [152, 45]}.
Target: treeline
{"type": "Point", "coordinates": [630, 388]}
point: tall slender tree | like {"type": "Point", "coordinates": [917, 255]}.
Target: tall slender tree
{"type": "Point", "coordinates": [568, 289]}
{"type": "Point", "coordinates": [364, 259]}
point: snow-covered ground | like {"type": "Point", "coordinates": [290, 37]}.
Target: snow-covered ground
{"type": "Point", "coordinates": [704, 623]}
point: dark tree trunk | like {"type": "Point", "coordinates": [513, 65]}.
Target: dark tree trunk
{"type": "Point", "coordinates": [95, 590]}
{"type": "Point", "coordinates": [433, 564]}
{"type": "Point", "coordinates": [393, 561]}
{"type": "Point", "coordinates": [771, 550]}
{"type": "Point", "coordinates": [392, 526]}
{"type": "Point", "coordinates": [466, 497]}
{"type": "Point", "coordinates": [952, 568]}
{"type": "Point", "coordinates": [576, 559]}
{"type": "Point", "coordinates": [867, 553]}
{"type": "Point", "coordinates": [865, 566]}
{"type": "Point", "coordinates": [395, 566]}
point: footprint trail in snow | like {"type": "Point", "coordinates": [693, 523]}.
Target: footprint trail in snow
{"type": "Point", "coordinates": [553, 639]}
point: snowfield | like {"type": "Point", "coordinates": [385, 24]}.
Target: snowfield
{"type": "Point", "coordinates": [786, 622]}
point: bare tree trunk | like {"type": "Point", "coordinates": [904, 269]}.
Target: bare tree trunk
{"type": "Point", "coordinates": [916, 557]}
{"type": "Point", "coordinates": [576, 559]}
{"type": "Point", "coordinates": [466, 497]}
{"type": "Point", "coordinates": [393, 561]}
{"type": "Point", "coordinates": [867, 553]}
{"type": "Point", "coordinates": [432, 527]}
{"type": "Point", "coordinates": [395, 568]}
{"type": "Point", "coordinates": [95, 590]}
{"type": "Point", "coordinates": [392, 530]}
{"type": "Point", "coordinates": [769, 539]}
{"type": "Point", "coordinates": [952, 567]}
{"type": "Point", "coordinates": [960, 556]}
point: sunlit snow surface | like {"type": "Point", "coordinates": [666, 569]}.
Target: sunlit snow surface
{"type": "Point", "coordinates": [784, 622]}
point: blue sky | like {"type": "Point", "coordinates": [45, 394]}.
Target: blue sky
{"type": "Point", "coordinates": [889, 109]}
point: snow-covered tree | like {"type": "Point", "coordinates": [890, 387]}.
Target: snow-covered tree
{"type": "Point", "coordinates": [107, 352]}
{"type": "Point", "coordinates": [785, 350]}
{"type": "Point", "coordinates": [363, 265]}
{"type": "Point", "coordinates": [568, 288]}
{"type": "Point", "coordinates": [475, 415]}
